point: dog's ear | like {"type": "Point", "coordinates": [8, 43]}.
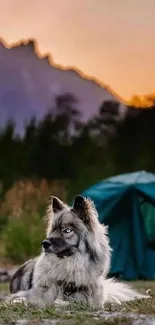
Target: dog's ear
{"type": "Point", "coordinates": [56, 204]}
{"type": "Point", "coordinates": [85, 209]}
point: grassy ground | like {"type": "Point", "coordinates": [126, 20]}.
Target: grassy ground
{"type": "Point", "coordinates": [78, 314]}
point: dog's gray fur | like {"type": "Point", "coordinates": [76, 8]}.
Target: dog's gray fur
{"type": "Point", "coordinates": [75, 264]}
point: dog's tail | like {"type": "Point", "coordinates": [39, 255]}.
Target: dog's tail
{"type": "Point", "coordinates": [118, 292]}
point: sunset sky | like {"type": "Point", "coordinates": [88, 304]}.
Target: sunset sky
{"type": "Point", "coordinates": [112, 40]}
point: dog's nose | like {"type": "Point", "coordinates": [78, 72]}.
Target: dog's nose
{"type": "Point", "coordinates": [46, 243]}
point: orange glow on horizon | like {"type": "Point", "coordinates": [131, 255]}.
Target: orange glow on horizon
{"type": "Point", "coordinates": [108, 42]}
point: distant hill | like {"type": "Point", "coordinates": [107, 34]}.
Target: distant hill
{"type": "Point", "coordinates": [29, 84]}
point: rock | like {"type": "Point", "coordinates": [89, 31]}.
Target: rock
{"type": "Point", "coordinates": [3, 271]}
{"type": "Point", "coordinates": [4, 276]}
{"type": "Point", "coordinates": [22, 322]}
{"type": "Point", "coordinates": [51, 322]}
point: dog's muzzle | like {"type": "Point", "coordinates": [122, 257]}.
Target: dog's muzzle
{"type": "Point", "coordinates": [46, 244]}
{"type": "Point", "coordinates": [58, 246]}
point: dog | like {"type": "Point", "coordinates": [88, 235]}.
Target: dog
{"type": "Point", "coordinates": [74, 261]}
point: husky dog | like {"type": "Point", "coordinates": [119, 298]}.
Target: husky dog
{"type": "Point", "coordinates": [74, 261]}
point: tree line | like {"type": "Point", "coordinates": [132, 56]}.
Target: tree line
{"type": "Point", "coordinates": [62, 146]}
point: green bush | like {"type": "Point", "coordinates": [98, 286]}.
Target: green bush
{"type": "Point", "coordinates": [23, 237]}
{"type": "Point", "coordinates": [22, 211]}
{"type": "Point", "coordinates": [3, 222]}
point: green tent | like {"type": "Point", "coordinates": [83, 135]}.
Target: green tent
{"type": "Point", "coordinates": [127, 204]}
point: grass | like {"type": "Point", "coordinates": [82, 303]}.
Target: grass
{"type": "Point", "coordinates": [72, 316]}
{"type": "Point", "coordinates": [4, 287]}
{"type": "Point", "coordinates": [78, 314]}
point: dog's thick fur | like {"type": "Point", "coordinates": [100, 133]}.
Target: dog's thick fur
{"type": "Point", "coordinates": [74, 261]}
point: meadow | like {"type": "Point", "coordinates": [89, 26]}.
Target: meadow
{"type": "Point", "coordinates": [142, 311]}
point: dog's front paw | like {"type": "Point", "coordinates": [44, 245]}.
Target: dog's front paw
{"type": "Point", "coordinates": [61, 303]}
{"type": "Point", "coordinates": [16, 299]}
{"type": "Point", "coordinates": [20, 300]}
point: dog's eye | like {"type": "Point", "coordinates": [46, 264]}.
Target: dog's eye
{"type": "Point", "coordinates": [67, 230]}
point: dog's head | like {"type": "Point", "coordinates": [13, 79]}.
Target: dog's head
{"type": "Point", "coordinates": [67, 226]}
{"type": "Point", "coordinates": [75, 229]}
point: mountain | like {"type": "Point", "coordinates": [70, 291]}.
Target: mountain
{"type": "Point", "coordinates": [29, 84]}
